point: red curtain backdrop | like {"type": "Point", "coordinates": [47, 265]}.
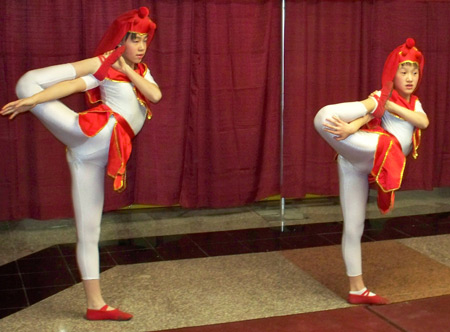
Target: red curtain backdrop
{"type": "Point", "coordinates": [335, 51]}
{"type": "Point", "coordinates": [214, 138]}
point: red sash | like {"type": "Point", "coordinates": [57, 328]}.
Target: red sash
{"type": "Point", "coordinates": [389, 160]}
{"type": "Point", "coordinates": [92, 122]}
{"type": "Point", "coordinates": [388, 167]}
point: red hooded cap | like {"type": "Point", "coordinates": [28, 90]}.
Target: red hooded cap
{"type": "Point", "coordinates": [135, 20]}
{"type": "Point", "coordinates": [405, 53]}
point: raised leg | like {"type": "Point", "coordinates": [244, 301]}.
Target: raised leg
{"type": "Point", "coordinates": [60, 120]}
{"type": "Point", "coordinates": [358, 148]}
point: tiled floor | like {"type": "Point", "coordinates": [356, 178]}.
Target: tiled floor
{"type": "Point", "coordinates": [48, 267]}
{"type": "Point", "coordinates": [429, 315]}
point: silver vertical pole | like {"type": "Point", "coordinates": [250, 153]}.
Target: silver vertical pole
{"type": "Point", "coordinates": [283, 23]}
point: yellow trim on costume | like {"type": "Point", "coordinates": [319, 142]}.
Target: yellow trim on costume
{"type": "Point", "coordinates": [381, 168]}
{"type": "Point", "coordinates": [416, 142]}
{"type": "Point", "coordinates": [139, 33]}
{"type": "Point", "coordinates": [141, 101]}
{"type": "Point", "coordinates": [408, 61]}
{"type": "Point", "coordinates": [116, 81]}
{"type": "Point", "coordinates": [90, 99]}
{"type": "Point", "coordinates": [122, 186]}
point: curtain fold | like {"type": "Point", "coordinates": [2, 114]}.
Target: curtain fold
{"type": "Point", "coordinates": [335, 51]}
{"type": "Point", "coordinates": [214, 137]}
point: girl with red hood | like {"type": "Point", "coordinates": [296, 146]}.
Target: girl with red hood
{"type": "Point", "coordinates": [372, 138]}
{"type": "Point", "coordinates": [122, 87]}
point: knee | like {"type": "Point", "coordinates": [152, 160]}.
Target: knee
{"type": "Point", "coordinates": [88, 230]}
{"type": "Point", "coordinates": [353, 234]}
{"type": "Point", "coordinates": [89, 236]}
{"type": "Point", "coordinates": [323, 114]}
{"type": "Point", "coordinates": [24, 85]}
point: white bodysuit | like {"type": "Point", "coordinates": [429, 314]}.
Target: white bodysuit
{"type": "Point", "coordinates": [355, 162]}
{"type": "Point", "coordinates": [87, 156]}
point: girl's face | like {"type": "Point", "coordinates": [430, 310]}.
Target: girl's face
{"type": "Point", "coordinates": [406, 79]}
{"type": "Point", "coordinates": [135, 48]}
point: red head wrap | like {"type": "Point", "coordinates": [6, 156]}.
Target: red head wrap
{"type": "Point", "coordinates": [135, 20]}
{"type": "Point", "coordinates": [405, 53]}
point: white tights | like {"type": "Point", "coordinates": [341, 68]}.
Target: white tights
{"type": "Point", "coordinates": [355, 161]}
{"type": "Point", "coordinates": [86, 156]}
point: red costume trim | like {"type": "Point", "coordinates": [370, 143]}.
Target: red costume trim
{"type": "Point", "coordinates": [388, 167]}
{"type": "Point", "coordinates": [404, 53]}
{"type": "Point", "coordinates": [92, 122]}
{"type": "Point", "coordinates": [94, 95]}
{"type": "Point", "coordinates": [389, 160]}
{"type": "Point", "coordinates": [135, 20]}
{"type": "Point", "coordinates": [411, 105]}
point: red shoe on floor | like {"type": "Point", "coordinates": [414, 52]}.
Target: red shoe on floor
{"type": "Point", "coordinates": [101, 72]}
{"type": "Point", "coordinates": [364, 298]}
{"type": "Point", "coordinates": [104, 314]}
{"type": "Point", "coordinates": [386, 92]}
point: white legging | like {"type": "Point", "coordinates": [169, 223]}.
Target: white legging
{"type": "Point", "coordinates": [355, 161]}
{"type": "Point", "coordinates": [86, 156]}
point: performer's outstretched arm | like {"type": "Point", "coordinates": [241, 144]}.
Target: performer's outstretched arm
{"type": "Point", "coordinates": [57, 91]}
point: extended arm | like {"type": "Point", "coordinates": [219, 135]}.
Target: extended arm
{"type": "Point", "coordinates": [417, 119]}
{"type": "Point", "coordinates": [57, 91]}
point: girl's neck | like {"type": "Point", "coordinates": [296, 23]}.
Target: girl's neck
{"type": "Point", "coordinates": [131, 64]}
{"type": "Point", "coordinates": [407, 97]}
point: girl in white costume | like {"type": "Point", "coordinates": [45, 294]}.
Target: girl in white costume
{"type": "Point", "coordinates": [395, 117]}
{"type": "Point", "coordinates": [124, 90]}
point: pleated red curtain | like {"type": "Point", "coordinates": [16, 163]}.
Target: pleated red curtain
{"type": "Point", "coordinates": [214, 138]}
{"type": "Point", "coordinates": [335, 51]}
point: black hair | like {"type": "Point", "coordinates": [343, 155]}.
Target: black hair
{"type": "Point", "coordinates": [414, 64]}
{"type": "Point", "coordinates": [130, 34]}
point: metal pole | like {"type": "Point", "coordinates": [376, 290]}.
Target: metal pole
{"type": "Point", "coordinates": [283, 24]}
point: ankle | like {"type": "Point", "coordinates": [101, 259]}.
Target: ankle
{"type": "Point", "coordinates": [356, 283]}
{"type": "Point", "coordinates": [96, 305]}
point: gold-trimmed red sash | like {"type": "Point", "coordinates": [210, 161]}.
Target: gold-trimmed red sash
{"type": "Point", "coordinates": [389, 160]}
{"type": "Point", "coordinates": [92, 122]}
{"type": "Point", "coordinates": [388, 167]}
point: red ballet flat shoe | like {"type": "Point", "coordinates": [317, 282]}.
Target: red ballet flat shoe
{"type": "Point", "coordinates": [364, 298]}
{"type": "Point", "coordinates": [104, 314]}
{"type": "Point", "coordinates": [386, 92]}
{"type": "Point", "coordinates": [102, 71]}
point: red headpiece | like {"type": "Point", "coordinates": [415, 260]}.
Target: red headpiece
{"type": "Point", "coordinates": [405, 53]}
{"type": "Point", "coordinates": [135, 20]}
